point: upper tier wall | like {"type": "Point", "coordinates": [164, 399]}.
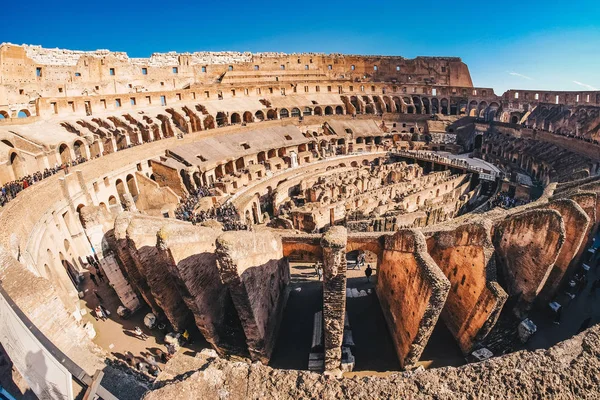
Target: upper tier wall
{"type": "Point", "coordinates": [29, 72]}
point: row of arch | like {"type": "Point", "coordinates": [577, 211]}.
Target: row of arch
{"type": "Point", "coordinates": [20, 114]}
{"type": "Point", "coordinates": [223, 118]}
{"type": "Point", "coordinates": [420, 105]}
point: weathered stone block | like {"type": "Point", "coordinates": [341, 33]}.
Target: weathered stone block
{"type": "Point", "coordinates": [252, 266]}
{"type": "Point", "coordinates": [141, 242]}
{"type": "Point", "coordinates": [466, 256]}
{"type": "Point", "coordinates": [576, 223]}
{"type": "Point", "coordinates": [527, 246]}
{"type": "Point", "coordinates": [188, 252]}
{"type": "Point", "coordinates": [412, 290]}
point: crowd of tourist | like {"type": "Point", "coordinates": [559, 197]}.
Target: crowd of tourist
{"type": "Point", "coordinates": [185, 210]}
{"type": "Point", "coordinates": [504, 200]}
{"type": "Point", "coordinates": [226, 214]}
{"type": "Point", "coordinates": [10, 189]}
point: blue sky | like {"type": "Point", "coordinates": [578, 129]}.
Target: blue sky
{"type": "Point", "coordinates": [530, 45]}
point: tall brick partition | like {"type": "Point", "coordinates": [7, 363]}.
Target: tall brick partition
{"type": "Point", "coordinates": [412, 291]}
{"type": "Point", "coordinates": [252, 266]}
{"type": "Point", "coordinates": [334, 294]}
{"type": "Point", "coordinates": [188, 252]}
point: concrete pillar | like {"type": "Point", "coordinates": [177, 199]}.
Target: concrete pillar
{"type": "Point", "coordinates": [334, 294]}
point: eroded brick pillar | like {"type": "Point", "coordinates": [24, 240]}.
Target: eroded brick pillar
{"type": "Point", "coordinates": [334, 294]}
{"type": "Point", "coordinates": [252, 266]}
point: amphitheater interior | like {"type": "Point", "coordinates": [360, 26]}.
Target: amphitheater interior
{"type": "Point", "coordinates": [240, 200]}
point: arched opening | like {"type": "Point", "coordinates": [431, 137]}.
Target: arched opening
{"type": "Point", "coordinates": [435, 106]}
{"type": "Point", "coordinates": [259, 115]}
{"type": "Point", "coordinates": [103, 206]}
{"type": "Point", "coordinates": [79, 149]}
{"type": "Point", "coordinates": [23, 114]}
{"type": "Point", "coordinates": [132, 185]}
{"type": "Point", "coordinates": [229, 168]}
{"type": "Point", "coordinates": [281, 152]}
{"type": "Point", "coordinates": [354, 101]}
{"type": "Point", "coordinates": [65, 153]}
{"type": "Point", "coordinates": [271, 114]}
{"type": "Point", "coordinates": [219, 171]}
{"type": "Point", "coordinates": [481, 109]}
{"type": "Point", "coordinates": [261, 157]}
{"type": "Point", "coordinates": [318, 111]}
{"type": "Point", "coordinates": [295, 112]}
{"type": "Point", "coordinates": [284, 113]}
{"type": "Point", "coordinates": [4, 115]}
{"type": "Point", "coordinates": [239, 163]}
{"type": "Point", "coordinates": [417, 103]}
{"type": "Point", "coordinates": [307, 111]}
{"type": "Point", "coordinates": [185, 178]}
{"type": "Point", "coordinates": [328, 110]}
{"type": "Point", "coordinates": [248, 117]}
{"type": "Point", "coordinates": [492, 110]}
{"type": "Point", "coordinates": [462, 107]}
{"type": "Point", "coordinates": [339, 110]}
{"type": "Point", "coordinates": [121, 190]}
{"type": "Point", "coordinates": [17, 165]}
{"type": "Point", "coordinates": [221, 119]}
{"type": "Point", "coordinates": [514, 119]}
{"type": "Point", "coordinates": [473, 108]}
{"type": "Point", "coordinates": [235, 118]}
{"type": "Point", "coordinates": [112, 200]}
{"type": "Point", "coordinates": [209, 122]}
{"type": "Point", "coordinates": [444, 106]}
{"type": "Point", "coordinates": [453, 109]}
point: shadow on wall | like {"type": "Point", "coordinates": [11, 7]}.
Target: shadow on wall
{"type": "Point", "coordinates": [7, 379]}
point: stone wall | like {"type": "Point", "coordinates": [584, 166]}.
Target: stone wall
{"type": "Point", "coordinates": [188, 252]}
{"type": "Point", "coordinates": [466, 256]}
{"type": "Point", "coordinates": [576, 223]}
{"type": "Point", "coordinates": [524, 257]}
{"type": "Point", "coordinates": [252, 266]}
{"type": "Point", "coordinates": [141, 240]}
{"type": "Point", "coordinates": [412, 291]}
{"type": "Point", "coordinates": [155, 200]}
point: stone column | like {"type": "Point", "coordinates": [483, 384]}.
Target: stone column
{"type": "Point", "coordinates": [334, 294]}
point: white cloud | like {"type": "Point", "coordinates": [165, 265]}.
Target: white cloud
{"type": "Point", "coordinates": [520, 75]}
{"type": "Point", "coordinates": [585, 85]}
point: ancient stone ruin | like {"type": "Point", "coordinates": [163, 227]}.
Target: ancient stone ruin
{"type": "Point", "coordinates": [295, 226]}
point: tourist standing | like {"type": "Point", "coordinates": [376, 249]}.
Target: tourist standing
{"type": "Point", "coordinates": [139, 333]}
{"type": "Point", "coordinates": [319, 271]}
{"type": "Point", "coordinates": [368, 272]}
{"type": "Point", "coordinates": [93, 278]}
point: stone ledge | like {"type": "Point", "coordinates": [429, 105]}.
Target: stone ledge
{"type": "Point", "coordinates": [566, 371]}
